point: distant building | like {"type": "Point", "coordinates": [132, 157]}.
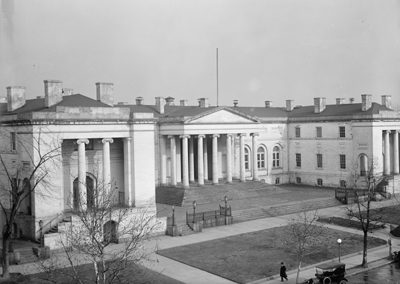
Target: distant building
{"type": "Point", "coordinates": [141, 146]}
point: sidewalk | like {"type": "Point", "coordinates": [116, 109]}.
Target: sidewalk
{"type": "Point", "coordinates": [188, 274]}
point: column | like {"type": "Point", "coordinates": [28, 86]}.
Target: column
{"type": "Point", "coordinates": [163, 161]}
{"type": "Point", "coordinates": [205, 159]}
{"type": "Point", "coordinates": [185, 162]}
{"type": "Point", "coordinates": [191, 159]}
{"type": "Point", "coordinates": [387, 153]}
{"type": "Point", "coordinates": [229, 158]}
{"type": "Point", "coordinates": [255, 164]}
{"type": "Point", "coordinates": [82, 172]}
{"type": "Point", "coordinates": [178, 160]}
{"type": "Point", "coordinates": [107, 163]}
{"type": "Point", "coordinates": [200, 164]}
{"type": "Point", "coordinates": [396, 152]}
{"type": "Point", "coordinates": [215, 158]}
{"type": "Point", "coordinates": [242, 169]}
{"type": "Point", "coordinates": [127, 172]}
{"type": "Point", "coordinates": [173, 160]}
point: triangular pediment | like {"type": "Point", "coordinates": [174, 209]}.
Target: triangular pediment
{"type": "Point", "coordinates": [222, 116]}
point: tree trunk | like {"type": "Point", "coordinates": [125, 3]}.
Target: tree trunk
{"type": "Point", "coordinates": [298, 272]}
{"type": "Point", "coordinates": [365, 250]}
{"type": "Point", "coordinates": [5, 260]}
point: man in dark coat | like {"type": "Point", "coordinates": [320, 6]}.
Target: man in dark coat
{"type": "Point", "coordinates": [282, 273]}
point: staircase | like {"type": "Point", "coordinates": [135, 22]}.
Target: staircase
{"type": "Point", "coordinates": [186, 230]}
{"type": "Point", "coordinates": [26, 255]}
{"type": "Point", "coordinates": [284, 209]}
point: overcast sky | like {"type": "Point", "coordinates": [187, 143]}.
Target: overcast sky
{"type": "Point", "coordinates": [268, 49]}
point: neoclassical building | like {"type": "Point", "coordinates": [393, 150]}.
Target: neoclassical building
{"type": "Point", "coordinates": [139, 147]}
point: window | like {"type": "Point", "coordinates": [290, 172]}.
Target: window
{"type": "Point", "coordinates": [342, 131]}
{"type": "Point", "coordinates": [298, 180]}
{"type": "Point", "coordinates": [13, 141]}
{"type": "Point", "coordinates": [297, 131]}
{"type": "Point", "coordinates": [319, 160]}
{"type": "Point", "coordinates": [276, 162]}
{"type": "Point", "coordinates": [319, 181]}
{"type": "Point", "coordinates": [319, 132]}
{"type": "Point", "coordinates": [298, 160]}
{"type": "Point", "coordinates": [261, 158]}
{"type": "Point", "coordinates": [277, 181]}
{"type": "Point", "coordinates": [342, 161]}
{"type": "Point", "coordinates": [343, 183]}
{"type": "Point", "coordinates": [246, 159]}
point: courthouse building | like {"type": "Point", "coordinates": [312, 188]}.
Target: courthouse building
{"type": "Point", "coordinates": [141, 146]}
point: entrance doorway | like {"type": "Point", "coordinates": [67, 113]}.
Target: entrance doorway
{"type": "Point", "coordinates": [110, 232]}
{"type": "Point", "coordinates": [89, 193]}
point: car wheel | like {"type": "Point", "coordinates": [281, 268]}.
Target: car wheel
{"type": "Point", "coordinates": [327, 280]}
{"type": "Point", "coordinates": [343, 282]}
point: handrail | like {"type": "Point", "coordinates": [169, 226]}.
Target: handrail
{"type": "Point", "coordinates": [44, 226]}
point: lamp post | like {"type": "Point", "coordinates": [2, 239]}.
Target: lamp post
{"type": "Point", "coordinates": [173, 215]}
{"type": "Point", "coordinates": [194, 211]}
{"type": "Point", "coordinates": [226, 205]}
{"type": "Point", "coordinates": [41, 233]}
{"type": "Point", "coordinates": [339, 241]}
{"type": "Point", "coordinates": [390, 248]}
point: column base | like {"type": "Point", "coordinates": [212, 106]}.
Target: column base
{"type": "Point", "coordinates": [229, 182]}
{"type": "Point", "coordinates": [242, 180]}
{"type": "Point", "coordinates": [256, 179]}
{"type": "Point", "coordinates": [215, 183]}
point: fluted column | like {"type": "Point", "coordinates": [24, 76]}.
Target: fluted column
{"type": "Point", "coordinates": [191, 159]}
{"type": "Point", "coordinates": [173, 160]}
{"type": "Point", "coordinates": [185, 161]}
{"type": "Point", "coordinates": [178, 160]}
{"type": "Point", "coordinates": [107, 162]}
{"type": "Point", "coordinates": [229, 158]}
{"type": "Point", "coordinates": [205, 158]}
{"type": "Point", "coordinates": [242, 169]}
{"type": "Point", "coordinates": [82, 172]}
{"type": "Point", "coordinates": [215, 158]}
{"type": "Point", "coordinates": [255, 165]}
{"type": "Point", "coordinates": [127, 171]}
{"type": "Point", "coordinates": [387, 153]}
{"type": "Point", "coordinates": [163, 161]}
{"type": "Point", "coordinates": [396, 152]}
{"type": "Point", "coordinates": [200, 164]}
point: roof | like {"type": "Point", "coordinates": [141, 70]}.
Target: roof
{"type": "Point", "coordinates": [330, 265]}
{"type": "Point", "coordinates": [337, 110]}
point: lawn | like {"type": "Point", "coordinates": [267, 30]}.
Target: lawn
{"type": "Point", "coordinates": [348, 223]}
{"type": "Point", "coordinates": [132, 274]}
{"type": "Point", "coordinates": [388, 214]}
{"type": "Point", "coordinates": [252, 256]}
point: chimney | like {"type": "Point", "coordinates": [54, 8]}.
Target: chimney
{"type": "Point", "coordinates": [184, 102]}
{"type": "Point", "coordinates": [67, 91]}
{"type": "Point", "coordinates": [268, 103]}
{"type": "Point", "coordinates": [366, 102]}
{"type": "Point", "coordinates": [122, 103]}
{"type": "Point", "coordinates": [289, 105]}
{"type": "Point", "coordinates": [319, 105]}
{"type": "Point", "coordinates": [340, 101]}
{"type": "Point", "coordinates": [160, 102]}
{"type": "Point", "coordinates": [105, 93]}
{"type": "Point", "coordinates": [235, 103]}
{"type": "Point", "coordinates": [170, 101]}
{"type": "Point", "coordinates": [387, 101]}
{"type": "Point", "coordinates": [139, 101]}
{"type": "Point", "coordinates": [15, 98]}
{"type": "Point", "coordinates": [351, 100]}
{"type": "Point", "coordinates": [52, 92]}
{"type": "Point", "coordinates": [203, 102]}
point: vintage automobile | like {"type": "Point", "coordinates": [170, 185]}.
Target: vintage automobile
{"type": "Point", "coordinates": [330, 272]}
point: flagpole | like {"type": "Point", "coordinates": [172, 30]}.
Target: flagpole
{"type": "Point", "coordinates": [217, 80]}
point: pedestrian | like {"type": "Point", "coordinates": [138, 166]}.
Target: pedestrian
{"type": "Point", "coordinates": [283, 272]}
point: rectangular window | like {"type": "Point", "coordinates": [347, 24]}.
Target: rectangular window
{"type": "Point", "coordinates": [275, 160]}
{"type": "Point", "coordinates": [319, 160]}
{"type": "Point", "coordinates": [342, 131]}
{"type": "Point", "coordinates": [342, 183]}
{"type": "Point", "coordinates": [246, 162]}
{"type": "Point", "coordinates": [13, 141]}
{"type": "Point", "coordinates": [298, 160]}
{"type": "Point", "coordinates": [261, 160]}
{"type": "Point", "coordinates": [342, 161]}
{"type": "Point", "coordinates": [297, 129]}
{"type": "Point", "coordinates": [319, 132]}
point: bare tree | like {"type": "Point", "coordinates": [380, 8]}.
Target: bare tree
{"type": "Point", "coordinates": [365, 189]}
{"type": "Point", "coordinates": [101, 219]}
{"type": "Point", "coordinates": [302, 232]}
{"type": "Point", "coordinates": [27, 159]}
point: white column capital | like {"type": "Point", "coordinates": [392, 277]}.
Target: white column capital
{"type": "Point", "coordinates": [201, 136]}
{"type": "Point", "coordinates": [127, 138]}
{"type": "Point", "coordinates": [184, 136]}
{"type": "Point", "coordinates": [242, 134]}
{"type": "Point", "coordinates": [255, 134]}
{"type": "Point", "coordinates": [216, 135]}
{"type": "Point", "coordinates": [107, 140]}
{"type": "Point", "coordinates": [171, 136]}
{"type": "Point", "coordinates": [230, 135]}
{"type": "Point", "coordinates": [82, 140]}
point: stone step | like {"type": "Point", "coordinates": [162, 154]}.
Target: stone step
{"type": "Point", "coordinates": [186, 230]}
{"type": "Point", "coordinates": [26, 255]}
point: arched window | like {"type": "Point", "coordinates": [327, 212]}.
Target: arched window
{"type": "Point", "coordinates": [276, 157]}
{"type": "Point", "coordinates": [298, 180]}
{"type": "Point", "coordinates": [363, 165]}
{"type": "Point", "coordinates": [319, 181]}
{"type": "Point", "coordinates": [261, 158]}
{"type": "Point", "coordinates": [246, 159]}
{"type": "Point", "coordinates": [277, 181]}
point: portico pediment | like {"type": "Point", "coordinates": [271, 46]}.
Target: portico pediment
{"type": "Point", "coordinates": [221, 115]}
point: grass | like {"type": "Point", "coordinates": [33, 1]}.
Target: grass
{"type": "Point", "coordinates": [132, 274]}
{"type": "Point", "coordinates": [347, 223]}
{"type": "Point", "coordinates": [252, 256]}
{"type": "Point", "coordinates": [388, 214]}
